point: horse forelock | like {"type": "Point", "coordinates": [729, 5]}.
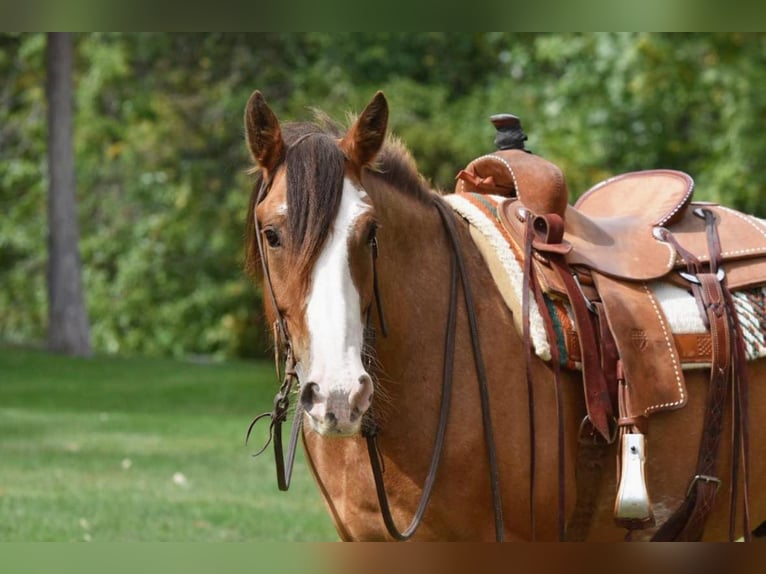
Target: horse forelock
{"type": "Point", "coordinates": [315, 170]}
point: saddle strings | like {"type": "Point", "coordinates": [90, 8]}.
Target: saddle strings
{"type": "Point", "coordinates": [536, 233]}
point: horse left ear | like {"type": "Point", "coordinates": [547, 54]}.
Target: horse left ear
{"type": "Point", "coordinates": [364, 139]}
{"type": "Point", "coordinates": [264, 136]}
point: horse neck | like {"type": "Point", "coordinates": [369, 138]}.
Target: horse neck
{"type": "Point", "coordinates": [414, 269]}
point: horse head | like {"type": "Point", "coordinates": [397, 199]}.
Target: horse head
{"type": "Point", "coordinates": [317, 230]}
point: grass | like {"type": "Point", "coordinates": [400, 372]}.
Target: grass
{"type": "Point", "coordinates": [136, 449]}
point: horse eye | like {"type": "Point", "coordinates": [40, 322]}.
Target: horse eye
{"type": "Point", "coordinates": [272, 237]}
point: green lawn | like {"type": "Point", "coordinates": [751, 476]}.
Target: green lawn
{"type": "Point", "coordinates": [134, 449]}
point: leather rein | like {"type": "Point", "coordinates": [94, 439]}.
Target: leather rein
{"type": "Point", "coordinates": [370, 430]}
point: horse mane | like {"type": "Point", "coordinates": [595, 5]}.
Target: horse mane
{"type": "Point", "coordinates": [315, 174]}
{"type": "Point", "coordinates": [396, 167]}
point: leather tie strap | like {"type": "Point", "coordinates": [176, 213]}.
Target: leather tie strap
{"type": "Point", "coordinates": [705, 484]}
{"type": "Point", "coordinates": [550, 229]}
{"type": "Point", "coordinates": [539, 234]}
{"type": "Point", "coordinates": [475, 181]}
{"type": "Point", "coordinates": [527, 284]}
{"type": "Point", "coordinates": [728, 368]}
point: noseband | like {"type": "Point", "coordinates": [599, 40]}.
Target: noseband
{"type": "Point", "coordinates": [282, 347]}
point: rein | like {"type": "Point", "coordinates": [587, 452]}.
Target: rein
{"type": "Point", "coordinates": [278, 415]}
{"type": "Point", "coordinates": [458, 271]}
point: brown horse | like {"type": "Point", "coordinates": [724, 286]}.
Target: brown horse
{"type": "Point", "coordinates": [325, 203]}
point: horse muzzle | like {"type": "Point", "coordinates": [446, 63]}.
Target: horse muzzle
{"type": "Point", "coordinates": [339, 411]}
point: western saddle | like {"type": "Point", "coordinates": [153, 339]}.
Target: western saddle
{"type": "Point", "coordinates": [599, 255]}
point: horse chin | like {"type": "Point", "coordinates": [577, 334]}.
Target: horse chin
{"type": "Point", "coordinates": [334, 431]}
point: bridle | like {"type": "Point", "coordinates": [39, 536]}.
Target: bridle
{"type": "Point", "coordinates": [370, 430]}
{"type": "Point", "coordinates": [282, 346]}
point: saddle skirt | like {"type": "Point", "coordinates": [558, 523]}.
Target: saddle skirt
{"type": "Point", "coordinates": [504, 260]}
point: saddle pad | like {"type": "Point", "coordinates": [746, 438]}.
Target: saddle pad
{"type": "Point", "coordinates": [503, 258]}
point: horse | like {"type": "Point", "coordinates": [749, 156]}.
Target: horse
{"type": "Point", "coordinates": [350, 242]}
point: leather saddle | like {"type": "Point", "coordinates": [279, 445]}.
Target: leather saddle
{"type": "Point", "coordinates": [600, 256]}
{"type": "Point", "coordinates": [615, 242]}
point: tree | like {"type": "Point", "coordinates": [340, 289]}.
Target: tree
{"type": "Point", "coordinates": [68, 326]}
{"type": "Point", "coordinates": [160, 151]}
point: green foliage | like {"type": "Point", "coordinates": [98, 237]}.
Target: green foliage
{"type": "Point", "coordinates": [161, 159]}
{"type": "Point", "coordinates": [23, 176]}
{"type": "Point", "coordinates": [607, 103]}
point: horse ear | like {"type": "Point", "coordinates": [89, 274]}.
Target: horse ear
{"type": "Point", "coordinates": [264, 136]}
{"type": "Point", "coordinates": [364, 139]}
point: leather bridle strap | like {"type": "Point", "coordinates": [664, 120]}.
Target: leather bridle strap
{"type": "Point", "coordinates": [458, 271]}
{"type": "Point", "coordinates": [279, 412]}
{"type": "Point", "coordinates": [280, 321]}
{"type": "Point", "coordinates": [481, 372]}
{"type": "Point", "coordinates": [263, 190]}
{"type": "Point", "coordinates": [370, 431]}
{"type": "Point", "coordinates": [376, 290]}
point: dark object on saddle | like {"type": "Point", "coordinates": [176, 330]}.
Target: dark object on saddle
{"type": "Point", "coordinates": [509, 135]}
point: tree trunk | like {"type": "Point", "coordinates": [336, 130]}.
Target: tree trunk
{"type": "Point", "coordinates": [68, 326]}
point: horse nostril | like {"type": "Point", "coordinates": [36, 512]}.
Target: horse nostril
{"type": "Point", "coordinates": [360, 398]}
{"type": "Point", "coordinates": [309, 396]}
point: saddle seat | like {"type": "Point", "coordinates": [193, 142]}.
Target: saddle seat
{"type": "Point", "coordinates": [613, 227]}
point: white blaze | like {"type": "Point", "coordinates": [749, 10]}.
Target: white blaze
{"type": "Point", "coordinates": [333, 312]}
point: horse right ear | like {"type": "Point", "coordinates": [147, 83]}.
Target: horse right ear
{"type": "Point", "coordinates": [264, 136]}
{"type": "Point", "coordinates": [364, 139]}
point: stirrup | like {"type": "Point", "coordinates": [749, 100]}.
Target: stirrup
{"type": "Point", "coordinates": [632, 507]}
